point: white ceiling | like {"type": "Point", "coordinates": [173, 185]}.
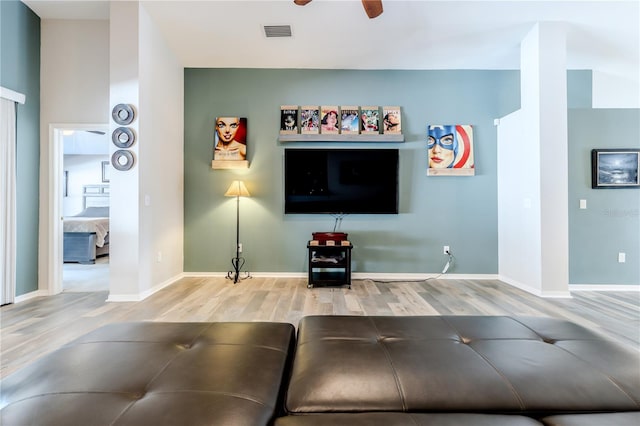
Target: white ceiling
{"type": "Point", "coordinates": [336, 34]}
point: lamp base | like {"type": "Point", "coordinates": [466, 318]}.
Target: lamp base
{"type": "Point", "coordinates": [236, 274]}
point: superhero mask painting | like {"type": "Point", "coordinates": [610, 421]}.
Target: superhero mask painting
{"type": "Point", "coordinates": [450, 150]}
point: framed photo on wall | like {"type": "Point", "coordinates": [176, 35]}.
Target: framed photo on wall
{"type": "Point", "coordinates": [289, 119]}
{"type": "Point", "coordinates": [329, 119]}
{"type": "Point", "coordinates": [105, 172]}
{"type": "Point", "coordinates": [310, 120]}
{"type": "Point", "coordinates": [615, 168]}
{"type": "Point", "coordinates": [370, 119]}
{"type": "Point", "coordinates": [349, 121]}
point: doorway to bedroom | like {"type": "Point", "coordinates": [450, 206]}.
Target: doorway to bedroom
{"type": "Point", "coordinates": [85, 200]}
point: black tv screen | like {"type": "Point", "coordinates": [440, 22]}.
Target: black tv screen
{"type": "Point", "coordinates": [341, 181]}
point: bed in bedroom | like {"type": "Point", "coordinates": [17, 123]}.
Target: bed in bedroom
{"type": "Point", "coordinates": [86, 234]}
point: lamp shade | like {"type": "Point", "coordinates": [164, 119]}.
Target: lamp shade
{"type": "Point", "coordinates": [237, 189]}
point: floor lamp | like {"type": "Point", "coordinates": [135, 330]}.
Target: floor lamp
{"type": "Point", "coordinates": [237, 189]}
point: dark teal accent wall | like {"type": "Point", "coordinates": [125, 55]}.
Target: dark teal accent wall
{"type": "Point", "coordinates": [20, 71]}
{"type": "Point", "coordinates": [434, 211]}
{"type": "Point", "coordinates": [611, 222]}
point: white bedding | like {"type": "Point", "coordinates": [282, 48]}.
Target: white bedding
{"type": "Point", "coordinates": [99, 225]}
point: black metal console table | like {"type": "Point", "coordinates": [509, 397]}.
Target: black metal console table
{"type": "Point", "coordinates": [329, 265]}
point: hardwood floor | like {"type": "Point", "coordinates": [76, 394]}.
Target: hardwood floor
{"type": "Point", "coordinates": [36, 327]}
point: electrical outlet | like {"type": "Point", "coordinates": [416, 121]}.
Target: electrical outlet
{"type": "Point", "coordinates": [159, 257]}
{"type": "Point", "coordinates": [622, 257]}
{"type": "Point", "coordinates": [240, 247]}
{"type": "Point", "coordinates": [445, 250]}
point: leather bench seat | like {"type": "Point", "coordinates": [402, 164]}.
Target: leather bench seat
{"type": "Point", "coordinates": [155, 374]}
{"type": "Point", "coordinates": [406, 419]}
{"type": "Point", "coordinates": [458, 419]}
{"type": "Point", "coordinates": [337, 371]}
{"type": "Point", "coordinates": [533, 367]}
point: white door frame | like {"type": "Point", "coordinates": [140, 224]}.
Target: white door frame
{"type": "Point", "coordinates": [56, 160]}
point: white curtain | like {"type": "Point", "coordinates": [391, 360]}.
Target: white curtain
{"type": "Point", "coordinates": [8, 199]}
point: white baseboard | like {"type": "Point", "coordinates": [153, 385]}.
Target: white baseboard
{"type": "Point", "coordinates": [419, 276]}
{"type": "Point", "coordinates": [376, 276]}
{"type": "Point", "coordinates": [278, 274]}
{"type": "Point", "coordinates": [359, 275]}
{"type": "Point", "coordinates": [253, 274]}
{"type": "Point", "coordinates": [124, 298]}
{"type": "Point", "coordinates": [31, 295]}
{"type": "Point", "coordinates": [536, 291]}
{"type": "Point", "coordinates": [205, 274]}
{"type": "Point", "coordinates": [604, 287]}
{"type": "Point", "coordinates": [143, 295]}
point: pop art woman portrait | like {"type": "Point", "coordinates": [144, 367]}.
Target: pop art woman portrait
{"type": "Point", "coordinates": [230, 138]}
{"type": "Point", "coordinates": [450, 149]}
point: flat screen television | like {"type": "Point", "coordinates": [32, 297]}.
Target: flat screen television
{"type": "Point", "coordinates": [341, 181]}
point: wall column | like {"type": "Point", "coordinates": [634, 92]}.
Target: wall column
{"type": "Point", "coordinates": [124, 234]}
{"type": "Point", "coordinates": [544, 104]}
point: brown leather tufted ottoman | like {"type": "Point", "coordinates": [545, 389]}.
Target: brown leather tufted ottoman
{"type": "Point", "coordinates": [155, 374]}
{"type": "Point", "coordinates": [419, 370]}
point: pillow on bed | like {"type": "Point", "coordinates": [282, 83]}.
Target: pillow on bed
{"type": "Point", "coordinates": [94, 212]}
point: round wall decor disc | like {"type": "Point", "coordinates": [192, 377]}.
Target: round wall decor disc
{"type": "Point", "coordinates": [123, 137]}
{"type": "Point", "coordinates": [122, 160]}
{"type": "Point", "coordinates": [122, 114]}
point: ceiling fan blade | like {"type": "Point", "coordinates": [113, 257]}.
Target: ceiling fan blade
{"type": "Point", "coordinates": [372, 7]}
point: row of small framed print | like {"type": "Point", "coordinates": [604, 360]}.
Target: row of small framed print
{"type": "Point", "coordinates": [334, 120]}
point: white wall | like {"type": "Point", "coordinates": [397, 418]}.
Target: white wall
{"type": "Point", "coordinates": [533, 225]}
{"type": "Point", "coordinates": [146, 201]}
{"type": "Point", "coordinates": [87, 67]}
{"type": "Point", "coordinates": [74, 88]}
{"type": "Point", "coordinates": [518, 204]}
{"type": "Point", "coordinates": [124, 241]}
{"type": "Point", "coordinates": [550, 55]}
{"type": "Point", "coordinates": [82, 170]}
{"type": "Point", "coordinates": [616, 89]}
{"type": "Point", "coordinates": [161, 157]}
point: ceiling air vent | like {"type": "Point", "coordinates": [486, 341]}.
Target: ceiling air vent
{"type": "Point", "coordinates": [277, 30]}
